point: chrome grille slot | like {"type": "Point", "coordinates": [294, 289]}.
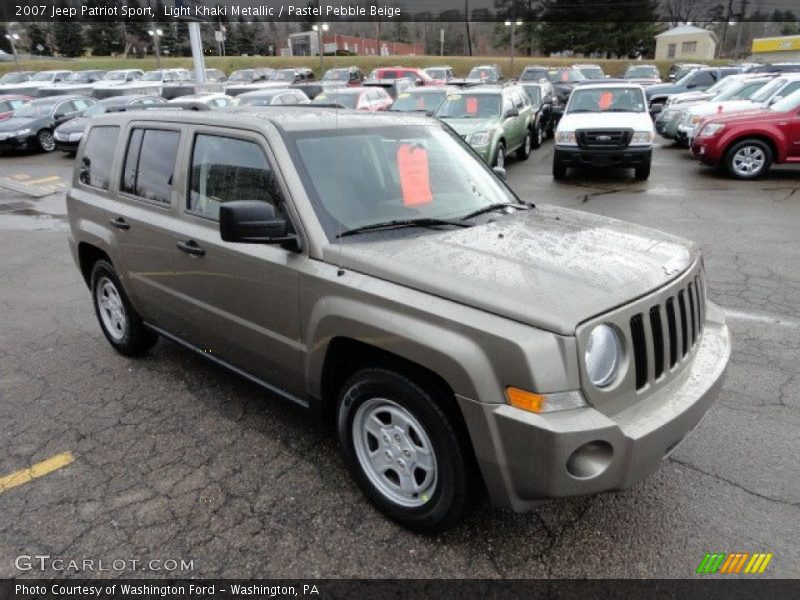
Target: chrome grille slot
{"type": "Point", "coordinates": [603, 138]}
{"type": "Point", "coordinates": [666, 332]}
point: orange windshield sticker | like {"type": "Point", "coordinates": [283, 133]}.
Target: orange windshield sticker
{"type": "Point", "coordinates": [484, 74]}
{"type": "Point", "coordinates": [472, 105]}
{"type": "Point", "coordinates": [605, 100]}
{"type": "Point", "coordinates": [412, 163]}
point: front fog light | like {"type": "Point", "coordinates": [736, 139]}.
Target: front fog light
{"type": "Point", "coordinates": [603, 355]}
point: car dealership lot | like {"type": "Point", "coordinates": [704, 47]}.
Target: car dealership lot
{"type": "Point", "coordinates": [176, 459]}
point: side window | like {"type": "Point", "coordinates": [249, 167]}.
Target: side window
{"type": "Point", "coordinates": [507, 105]}
{"type": "Point", "coordinates": [15, 104]}
{"type": "Point", "coordinates": [225, 169]}
{"type": "Point", "coordinates": [98, 155]}
{"type": "Point", "coordinates": [150, 164]}
{"type": "Point", "coordinates": [64, 109]}
{"type": "Point", "coordinates": [81, 104]}
{"type": "Point", "coordinates": [517, 99]}
{"type": "Point", "coordinates": [792, 87]}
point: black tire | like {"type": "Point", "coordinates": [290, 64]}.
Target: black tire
{"type": "Point", "coordinates": [452, 492]}
{"type": "Point", "coordinates": [559, 170]}
{"type": "Point", "coordinates": [538, 136]}
{"type": "Point", "coordinates": [45, 140]}
{"type": "Point", "coordinates": [753, 145]}
{"type": "Point", "coordinates": [499, 159]}
{"type": "Point", "coordinates": [642, 173]}
{"type": "Point", "coordinates": [524, 151]}
{"type": "Point", "coordinates": [132, 338]}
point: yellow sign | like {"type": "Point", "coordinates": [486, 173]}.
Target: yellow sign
{"type": "Point", "coordinates": [776, 44]}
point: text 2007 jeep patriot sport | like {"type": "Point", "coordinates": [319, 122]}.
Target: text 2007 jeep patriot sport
{"type": "Point", "coordinates": [373, 269]}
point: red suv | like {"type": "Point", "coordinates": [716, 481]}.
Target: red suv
{"type": "Point", "coordinates": [746, 144]}
{"type": "Point", "coordinates": [417, 75]}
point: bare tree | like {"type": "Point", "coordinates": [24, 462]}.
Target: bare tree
{"type": "Point", "coordinates": [683, 11]}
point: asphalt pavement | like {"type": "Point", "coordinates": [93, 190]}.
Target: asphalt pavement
{"type": "Point", "coordinates": [169, 458]}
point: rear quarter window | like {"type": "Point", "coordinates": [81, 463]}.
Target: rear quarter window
{"type": "Point", "coordinates": [98, 156]}
{"type": "Point", "coordinates": [150, 164]}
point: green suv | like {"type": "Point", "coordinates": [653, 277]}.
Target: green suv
{"type": "Point", "coordinates": [494, 120]}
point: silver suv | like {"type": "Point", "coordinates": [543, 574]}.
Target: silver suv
{"type": "Point", "coordinates": [372, 269]}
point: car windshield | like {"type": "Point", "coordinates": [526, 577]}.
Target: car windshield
{"type": "Point", "coordinates": [592, 72]}
{"type": "Point", "coordinates": [342, 99]}
{"type": "Point", "coordinates": [483, 73]}
{"type": "Point", "coordinates": [265, 100]}
{"type": "Point", "coordinates": [115, 76]}
{"type": "Point", "coordinates": [14, 77]}
{"type": "Point", "coordinates": [644, 71]}
{"type": "Point", "coordinates": [417, 101]}
{"type": "Point", "coordinates": [282, 75]}
{"type": "Point", "coordinates": [83, 77]}
{"type": "Point", "coordinates": [534, 93]}
{"type": "Point", "coordinates": [533, 74]}
{"type": "Point", "coordinates": [791, 102]}
{"type": "Point", "coordinates": [742, 91]}
{"type": "Point", "coordinates": [5, 106]}
{"type": "Point", "coordinates": [336, 75]}
{"type": "Point", "coordinates": [599, 99]}
{"type": "Point", "coordinates": [766, 92]}
{"type": "Point", "coordinates": [361, 177]}
{"type": "Point", "coordinates": [437, 73]}
{"type": "Point", "coordinates": [95, 110]}
{"type": "Point", "coordinates": [565, 75]}
{"type": "Point", "coordinates": [43, 76]}
{"type": "Point", "coordinates": [470, 106]}
{"type": "Point", "coordinates": [35, 110]}
{"type": "Point", "coordinates": [152, 76]}
{"type": "Point", "coordinates": [684, 81]}
{"type": "Point", "coordinates": [244, 75]}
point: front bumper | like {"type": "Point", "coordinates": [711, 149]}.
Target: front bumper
{"type": "Point", "coordinates": [574, 156]}
{"type": "Point", "coordinates": [17, 143]}
{"type": "Point", "coordinates": [526, 457]}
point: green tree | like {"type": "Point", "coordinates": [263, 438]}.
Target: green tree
{"type": "Point", "coordinates": [5, 45]}
{"type": "Point", "coordinates": [69, 38]}
{"type": "Point", "coordinates": [105, 39]}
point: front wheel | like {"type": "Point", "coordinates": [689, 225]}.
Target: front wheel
{"type": "Point", "coordinates": [500, 156]}
{"type": "Point", "coordinates": [46, 141]}
{"type": "Point", "coordinates": [748, 159]}
{"type": "Point", "coordinates": [120, 322]}
{"type": "Point", "coordinates": [403, 450]}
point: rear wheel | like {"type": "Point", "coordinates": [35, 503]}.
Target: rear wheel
{"type": "Point", "coordinates": [403, 450]}
{"type": "Point", "coordinates": [559, 170]}
{"type": "Point", "coordinates": [748, 159]}
{"type": "Point", "coordinates": [538, 135]}
{"type": "Point", "coordinates": [500, 156]}
{"type": "Point", "coordinates": [525, 150]}
{"type": "Point", "coordinates": [119, 321]}
{"type": "Point", "coordinates": [46, 141]}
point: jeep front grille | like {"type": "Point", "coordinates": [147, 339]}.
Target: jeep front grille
{"type": "Point", "coordinates": [604, 138]}
{"type": "Point", "coordinates": [664, 335]}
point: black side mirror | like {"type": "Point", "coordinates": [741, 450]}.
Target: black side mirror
{"type": "Point", "coordinates": [511, 112]}
{"type": "Point", "coordinates": [500, 172]}
{"type": "Point", "coordinates": [252, 222]}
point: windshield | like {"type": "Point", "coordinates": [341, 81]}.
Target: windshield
{"type": "Point", "coordinates": [245, 75]}
{"type": "Point", "coordinates": [791, 102]}
{"type": "Point", "coordinates": [483, 73]}
{"type": "Point", "coordinates": [534, 93]}
{"type": "Point", "coordinates": [152, 76]}
{"type": "Point", "coordinates": [84, 77]}
{"type": "Point", "coordinates": [95, 110]}
{"type": "Point", "coordinates": [742, 91]}
{"type": "Point", "coordinates": [358, 177]}
{"type": "Point", "coordinates": [346, 100]}
{"type": "Point", "coordinates": [265, 100]}
{"type": "Point", "coordinates": [644, 71]}
{"type": "Point", "coordinates": [33, 111]}
{"type": "Point", "coordinates": [533, 74]}
{"type": "Point", "coordinates": [592, 72]}
{"type": "Point", "coordinates": [417, 101]}
{"type": "Point", "coordinates": [599, 99]}
{"type": "Point", "coordinates": [766, 92]}
{"type": "Point", "coordinates": [43, 76]}
{"type": "Point", "coordinates": [336, 75]}
{"type": "Point", "coordinates": [565, 75]}
{"type": "Point", "coordinates": [14, 77]}
{"type": "Point", "coordinates": [115, 76]}
{"type": "Point", "coordinates": [437, 73]}
{"type": "Point", "coordinates": [282, 75]}
{"type": "Point", "coordinates": [470, 106]}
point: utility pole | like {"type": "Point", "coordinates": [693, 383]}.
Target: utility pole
{"type": "Point", "coordinates": [742, 12]}
{"type": "Point", "coordinates": [466, 24]}
{"type": "Point", "coordinates": [725, 28]}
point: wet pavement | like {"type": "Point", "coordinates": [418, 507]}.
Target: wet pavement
{"type": "Point", "coordinates": [174, 459]}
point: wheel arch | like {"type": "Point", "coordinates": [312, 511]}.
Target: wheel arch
{"type": "Point", "coordinates": [88, 255]}
{"type": "Point", "coordinates": [761, 137]}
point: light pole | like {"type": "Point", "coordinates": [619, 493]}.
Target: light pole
{"type": "Point", "coordinates": [155, 34]}
{"type": "Point", "coordinates": [319, 29]}
{"type": "Point", "coordinates": [13, 37]}
{"type": "Point", "coordinates": [513, 25]}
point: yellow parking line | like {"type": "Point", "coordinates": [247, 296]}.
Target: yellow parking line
{"type": "Point", "coordinates": [44, 180]}
{"type": "Point", "coordinates": [20, 176]}
{"type": "Point", "coordinates": [38, 470]}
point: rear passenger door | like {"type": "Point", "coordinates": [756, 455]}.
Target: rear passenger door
{"type": "Point", "coordinates": [143, 220]}
{"type": "Point", "coordinates": [241, 301]}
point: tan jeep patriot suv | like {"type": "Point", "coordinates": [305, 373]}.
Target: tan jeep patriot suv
{"type": "Point", "coordinates": [373, 269]}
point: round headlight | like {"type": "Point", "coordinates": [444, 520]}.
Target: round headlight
{"type": "Point", "coordinates": [602, 356]}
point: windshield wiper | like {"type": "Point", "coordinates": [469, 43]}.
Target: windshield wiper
{"type": "Point", "coordinates": [492, 207]}
{"type": "Point", "coordinates": [400, 223]}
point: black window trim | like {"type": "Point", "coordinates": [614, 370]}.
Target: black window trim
{"type": "Point", "coordinates": [110, 188]}
{"type": "Point", "coordinates": [133, 126]}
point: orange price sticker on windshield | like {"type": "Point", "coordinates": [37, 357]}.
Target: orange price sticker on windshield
{"type": "Point", "coordinates": [605, 100]}
{"type": "Point", "coordinates": [412, 163]}
{"type": "Point", "coordinates": [472, 105]}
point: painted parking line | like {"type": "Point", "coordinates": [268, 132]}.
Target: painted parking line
{"type": "Point", "coordinates": [761, 317]}
{"type": "Point", "coordinates": [50, 179]}
{"type": "Point", "coordinates": [40, 469]}
{"type": "Point", "coordinates": [20, 176]}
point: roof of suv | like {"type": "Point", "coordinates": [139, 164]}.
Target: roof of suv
{"type": "Point", "coordinates": [307, 117]}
